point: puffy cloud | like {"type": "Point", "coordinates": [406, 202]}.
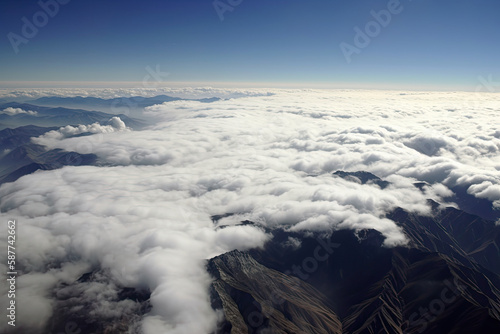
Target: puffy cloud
{"type": "Point", "coordinates": [241, 237]}
{"type": "Point", "coordinates": [144, 216]}
{"type": "Point", "coordinates": [428, 145]}
{"type": "Point", "coordinates": [51, 137]}
{"type": "Point", "coordinates": [487, 190]}
{"type": "Point", "coordinates": [16, 111]}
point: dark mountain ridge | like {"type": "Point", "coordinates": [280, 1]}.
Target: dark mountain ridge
{"type": "Point", "coordinates": [22, 157]}
{"type": "Point", "coordinates": [446, 280]}
{"type": "Point", "coordinates": [58, 116]}
{"type": "Point", "coordinates": [113, 105]}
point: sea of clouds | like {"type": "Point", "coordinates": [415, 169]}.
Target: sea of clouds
{"type": "Point", "coordinates": [109, 93]}
{"type": "Point", "coordinates": [143, 219]}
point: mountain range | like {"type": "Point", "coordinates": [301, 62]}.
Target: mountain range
{"type": "Point", "coordinates": [22, 157]}
{"type": "Point", "coordinates": [445, 280]}
{"type": "Point", "coordinates": [57, 116]}
{"type": "Point", "coordinates": [114, 105]}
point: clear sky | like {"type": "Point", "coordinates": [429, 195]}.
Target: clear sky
{"type": "Point", "coordinates": [443, 44]}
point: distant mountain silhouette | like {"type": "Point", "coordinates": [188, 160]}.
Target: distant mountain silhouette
{"type": "Point", "coordinates": [12, 138]}
{"type": "Point", "coordinates": [114, 105]}
{"type": "Point", "coordinates": [50, 117]}
{"type": "Point", "coordinates": [22, 157]}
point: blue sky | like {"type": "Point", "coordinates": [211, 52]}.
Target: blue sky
{"type": "Point", "coordinates": [435, 44]}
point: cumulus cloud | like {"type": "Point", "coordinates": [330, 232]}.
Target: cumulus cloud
{"type": "Point", "coordinates": [116, 124]}
{"type": "Point", "coordinates": [144, 217]}
{"type": "Point", "coordinates": [487, 190]}
{"type": "Point", "coordinates": [16, 111]}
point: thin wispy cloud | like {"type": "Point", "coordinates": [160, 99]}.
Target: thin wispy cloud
{"type": "Point", "coordinates": [16, 111]}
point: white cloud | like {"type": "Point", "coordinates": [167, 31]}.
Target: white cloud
{"type": "Point", "coordinates": [487, 190]}
{"type": "Point", "coordinates": [16, 111]}
{"type": "Point", "coordinates": [145, 218]}
{"type": "Point", "coordinates": [50, 138]}
{"type": "Point", "coordinates": [109, 93]}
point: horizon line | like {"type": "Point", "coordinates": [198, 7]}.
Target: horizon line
{"type": "Point", "coordinates": [5, 85]}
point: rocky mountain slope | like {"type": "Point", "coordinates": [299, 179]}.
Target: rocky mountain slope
{"type": "Point", "coordinates": [446, 280]}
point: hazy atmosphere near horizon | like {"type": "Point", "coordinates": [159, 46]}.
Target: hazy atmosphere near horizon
{"type": "Point", "coordinates": [237, 166]}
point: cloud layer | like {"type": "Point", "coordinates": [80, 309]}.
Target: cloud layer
{"type": "Point", "coordinates": [109, 93]}
{"type": "Point", "coordinates": [144, 217]}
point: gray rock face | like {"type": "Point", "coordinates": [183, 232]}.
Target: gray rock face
{"type": "Point", "coordinates": [446, 280]}
{"type": "Point", "coordinates": [257, 299]}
